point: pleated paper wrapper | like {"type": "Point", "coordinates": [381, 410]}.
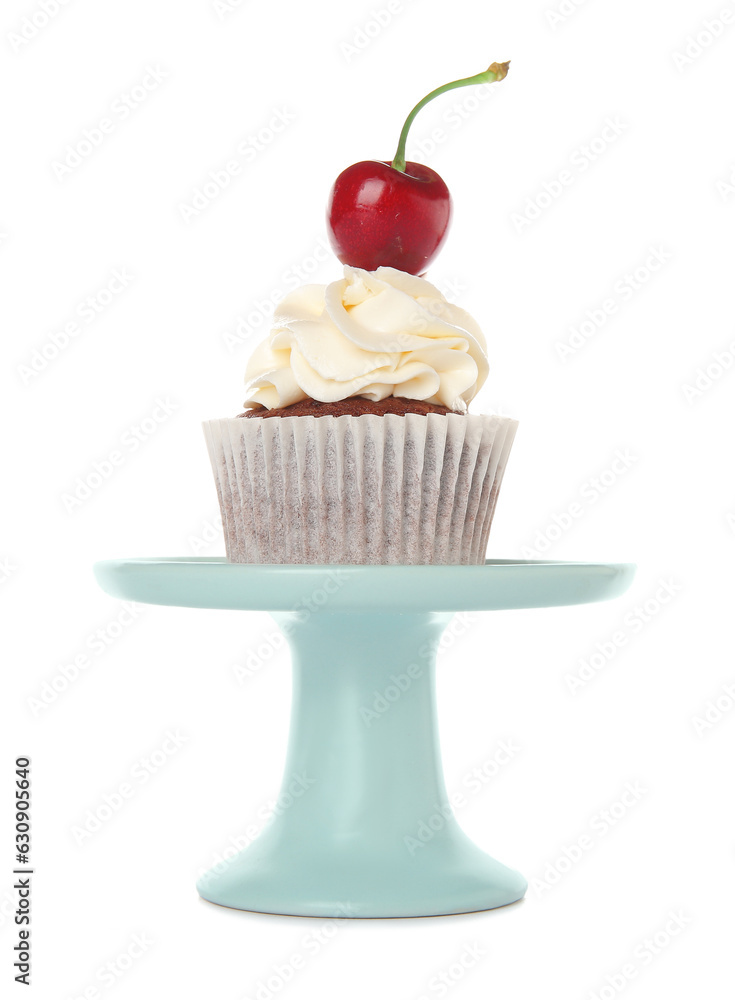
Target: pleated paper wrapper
{"type": "Point", "coordinates": [359, 489]}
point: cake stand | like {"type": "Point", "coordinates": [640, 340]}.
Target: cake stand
{"type": "Point", "coordinates": [362, 827]}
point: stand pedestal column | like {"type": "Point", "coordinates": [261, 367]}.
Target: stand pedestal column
{"type": "Point", "coordinates": [362, 826]}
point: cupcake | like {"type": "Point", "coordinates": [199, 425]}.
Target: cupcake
{"type": "Point", "coordinates": [356, 445]}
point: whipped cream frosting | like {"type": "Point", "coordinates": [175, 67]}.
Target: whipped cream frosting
{"type": "Point", "coordinates": [373, 334]}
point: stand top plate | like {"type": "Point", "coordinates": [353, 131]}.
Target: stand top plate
{"type": "Point", "coordinates": [497, 584]}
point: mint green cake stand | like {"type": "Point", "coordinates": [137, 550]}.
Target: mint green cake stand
{"type": "Point", "coordinates": [362, 827]}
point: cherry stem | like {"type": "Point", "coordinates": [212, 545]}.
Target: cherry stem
{"type": "Point", "coordinates": [498, 71]}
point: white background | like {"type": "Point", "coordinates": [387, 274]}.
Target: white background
{"type": "Point", "coordinates": [529, 256]}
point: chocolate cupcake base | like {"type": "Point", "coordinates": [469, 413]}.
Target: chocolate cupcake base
{"type": "Point", "coordinates": [359, 489]}
{"type": "Point", "coordinates": [355, 406]}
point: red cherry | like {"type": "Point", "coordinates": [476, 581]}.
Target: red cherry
{"type": "Point", "coordinates": [382, 217]}
{"type": "Point", "coordinates": [392, 213]}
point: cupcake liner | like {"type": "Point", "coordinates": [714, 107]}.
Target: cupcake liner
{"type": "Point", "coordinates": [390, 489]}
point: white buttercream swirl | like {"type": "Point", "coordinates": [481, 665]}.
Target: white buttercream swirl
{"type": "Point", "coordinates": [373, 334]}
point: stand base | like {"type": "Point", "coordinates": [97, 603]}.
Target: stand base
{"type": "Point", "coordinates": [448, 876]}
